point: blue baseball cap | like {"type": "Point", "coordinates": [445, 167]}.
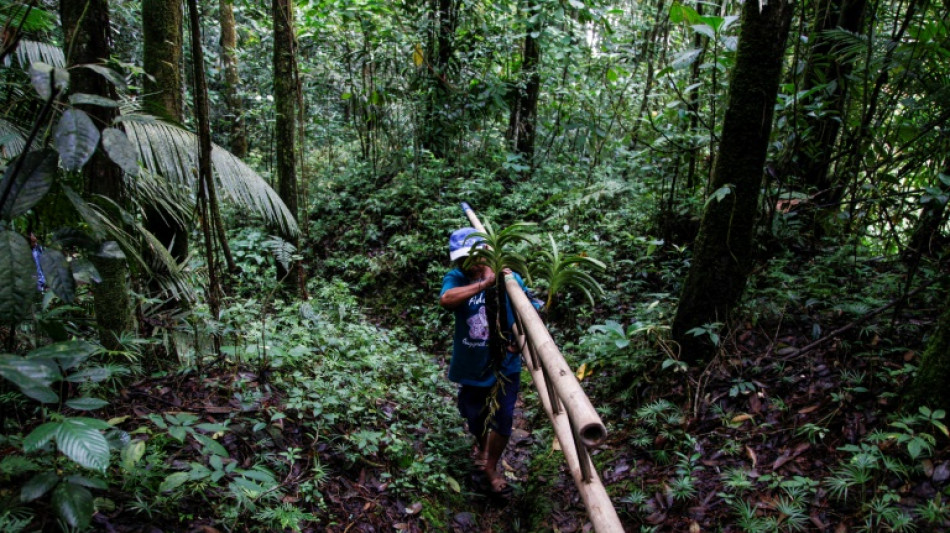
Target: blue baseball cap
{"type": "Point", "coordinates": [461, 242]}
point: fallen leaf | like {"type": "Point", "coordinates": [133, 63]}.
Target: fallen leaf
{"type": "Point", "coordinates": [738, 419]}
{"type": "Point", "coordinates": [809, 409]}
{"type": "Point", "coordinates": [751, 455]}
{"type": "Point", "coordinates": [694, 527]}
{"type": "Point", "coordinates": [781, 460]}
{"type": "Point", "coordinates": [415, 508]}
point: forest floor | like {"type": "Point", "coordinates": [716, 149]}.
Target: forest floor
{"type": "Point", "coordinates": [762, 427]}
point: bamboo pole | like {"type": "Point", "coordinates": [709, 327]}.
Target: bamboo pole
{"type": "Point", "coordinates": [589, 425]}
{"type": "Point", "coordinates": [576, 424]}
{"type": "Point", "coordinates": [600, 509]}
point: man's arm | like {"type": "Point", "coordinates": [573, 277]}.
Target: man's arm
{"type": "Point", "coordinates": [454, 297]}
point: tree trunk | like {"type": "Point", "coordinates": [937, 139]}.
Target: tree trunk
{"type": "Point", "coordinates": [524, 110]}
{"type": "Point", "coordinates": [162, 45]}
{"type": "Point", "coordinates": [232, 81]}
{"type": "Point", "coordinates": [930, 386]}
{"type": "Point", "coordinates": [206, 197]}
{"type": "Point", "coordinates": [86, 27]}
{"type": "Point", "coordinates": [438, 131]}
{"type": "Point", "coordinates": [721, 259]}
{"type": "Point", "coordinates": [284, 104]}
{"type": "Point", "coordinates": [814, 149]}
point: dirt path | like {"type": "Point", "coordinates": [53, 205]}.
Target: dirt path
{"type": "Point", "coordinates": [543, 497]}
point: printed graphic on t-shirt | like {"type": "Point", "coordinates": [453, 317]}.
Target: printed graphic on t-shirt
{"type": "Point", "coordinates": [478, 325]}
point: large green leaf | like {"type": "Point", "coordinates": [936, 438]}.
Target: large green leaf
{"type": "Point", "coordinates": [28, 372]}
{"type": "Point", "coordinates": [74, 504]}
{"type": "Point", "coordinates": [46, 78]}
{"type": "Point", "coordinates": [30, 184]}
{"type": "Point", "coordinates": [76, 138]}
{"type": "Point", "coordinates": [86, 403]}
{"type": "Point", "coordinates": [68, 353]}
{"type": "Point", "coordinates": [38, 485]}
{"type": "Point", "coordinates": [121, 150]}
{"type": "Point", "coordinates": [58, 277]}
{"type": "Point", "coordinates": [83, 443]}
{"type": "Point", "coordinates": [40, 436]}
{"type": "Point", "coordinates": [17, 277]}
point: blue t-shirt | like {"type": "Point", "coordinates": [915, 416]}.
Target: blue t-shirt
{"type": "Point", "coordinates": [471, 362]}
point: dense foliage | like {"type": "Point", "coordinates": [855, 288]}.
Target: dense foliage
{"type": "Point", "coordinates": [263, 406]}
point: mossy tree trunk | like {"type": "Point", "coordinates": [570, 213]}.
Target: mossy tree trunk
{"type": "Point", "coordinates": [721, 256]}
{"type": "Point", "coordinates": [930, 386]}
{"type": "Point", "coordinates": [232, 80]}
{"type": "Point", "coordinates": [163, 97]}
{"type": "Point", "coordinates": [86, 27]}
{"type": "Point", "coordinates": [285, 124]}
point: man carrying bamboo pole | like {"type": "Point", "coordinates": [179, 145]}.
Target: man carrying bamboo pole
{"type": "Point", "coordinates": [487, 395]}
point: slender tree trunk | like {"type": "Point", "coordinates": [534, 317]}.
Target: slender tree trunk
{"type": "Point", "coordinates": [205, 177]}
{"type": "Point", "coordinates": [162, 45]}
{"type": "Point", "coordinates": [522, 122]}
{"type": "Point", "coordinates": [814, 150]}
{"type": "Point", "coordinates": [86, 30]}
{"type": "Point", "coordinates": [721, 258]}
{"type": "Point", "coordinates": [285, 127]}
{"type": "Point", "coordinates": [232, 81]}
{"type": "Point", "coordinates": [438, 130]}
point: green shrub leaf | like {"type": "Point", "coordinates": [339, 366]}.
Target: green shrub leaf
{"type": "Point", "coordinates": [58, 277]}
{"type": "Point", "coordinates": [132, 454]}
{"type": "Point", "coordinates": [40, 436]}
{"type": "Point", "coordinates": [41, 76]}
{"type": "Point", "coordinates": [83, 443]}
{"type": "Point", "coordinates": [76, 138]}
{"type": "Point", "coordinates": [30, 184]}
{"type": "Point", "coordinates": [39, 485]}
{"type": "Point", "coordinates": [17, 277]}
{"type": "Point", "coordinates": [86, 404]}
{"type": "Point", "coordinates": [92, 483]}
{"type": "Point", "coordinates": [68, 353]}
{"type": "Point", "coordinates": [120, 150]}
{"type": "Point", "coordinates": [74, 504]}
{"type": "Point", "coordinates": [173, 481]}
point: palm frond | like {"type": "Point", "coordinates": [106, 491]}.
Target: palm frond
{"type": "Point", "coordinates": [29, 52]}
{"type": "Point", "coordinates": [172, 152]}
{"type": "Point", "coordinates": [152, 257]}
{"type": "Point", "coordinates": [170, 199]}
{"type": "Point", "coordinates": [12, 139]}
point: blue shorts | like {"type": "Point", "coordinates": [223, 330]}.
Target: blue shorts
{"type": "Point", "coordinates": [473, 403]}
